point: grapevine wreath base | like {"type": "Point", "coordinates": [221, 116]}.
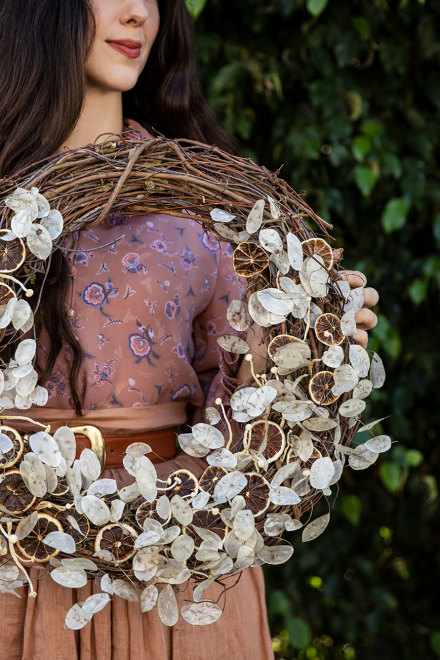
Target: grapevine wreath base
{"type": "Point", "coordinates": [286, 435]}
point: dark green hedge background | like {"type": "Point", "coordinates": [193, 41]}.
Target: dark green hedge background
{"type": "Point", "coordinates": [346, 96]}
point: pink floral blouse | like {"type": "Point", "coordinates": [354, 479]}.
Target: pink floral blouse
{"type": "Point", "coordinates": [147, 311]}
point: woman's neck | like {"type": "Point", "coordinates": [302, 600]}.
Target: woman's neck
{"type": "Point", "coordinates": [101, 113]}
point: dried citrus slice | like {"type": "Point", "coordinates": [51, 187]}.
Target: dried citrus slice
{"type": "Point", "coordinates": [281, 340]}
{"type": "Point", "coordinates": [269, 435]}
{"type": "Point", "coordinates": [148, 510]}
{"type": "Point", "coordinates": [249, 259]}
{"type": "Point", "coordinates": [291, 457]}
{"type": "Point", "coordinates": [6, 293]}
{"type": "Point", "coordinates": [314, 455]}
{"type": "Point", "coordinates": [256, 493]}
{"type": "Point", "coordinates": [320, 388]}
{"type": "Point", "coordinates": [117, 538]}
{"type": "Point", "coordinates": [210, 477]}
{"type": "Point", "coordinates": [328, 329]}
{"type": "Point", "coordinates": [62, 487]}
{"type": "Point", "coordinates": [32, 546]}
{"type": "Point", "coordinates": [278, 277]}
{"type": "Point", "coordinates": [12, 253]}
{"type": "Point", "coordinates": [9, 458]}
{"type": "Point", "coordinates": [208, 520]}
{"type": "Point", "coordinates": [109, 497]}
{"type": "Point", "coordinates": [81, 520]}
{"type": "Point", "coordinates": [320, 247]}
{"type": "Point", "coordinates": [187, 484]}
{"type": "Point", "coordinates": [14, 496]}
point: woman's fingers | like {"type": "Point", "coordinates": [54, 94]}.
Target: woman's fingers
{"type": "Point", "coordinates": [371, 296]}
{"type": "Point", "coordinates": [361, 337]}
{"type": "Point", "coordinates": [355, 278]}
{"type": "Point", "coordinates": [365, 319]}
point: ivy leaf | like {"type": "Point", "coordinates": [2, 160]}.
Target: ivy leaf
{"type": "Point", "coordinates": [418, 290]}
{"type": "Point", "coordinates": [395, 214]}
{"type": "Point", "coordinates": [391, 475]}
{"type": "Point", "coordinates": [316, 7]}
{"type": "Point", "coordinates": [431, 266]}
{"type": "Point", "coordinates": [195, 7]}
{"type": "Point", "coordinates": [365, 178]}
{"type": "Point", "coordinates": [435, 642]}
{"type": "Point", "coordinates": [391, 165]}
{"type": "Point", "coordinates": [362, 26]}
{"type": "Point", "coordinates": [413, 457]}
{"type": "Point", "coordinates": [354, 101]}
{"type": "Point", "coordinates": [299, 632]}
{"type": "Point", "coordinates": [361, 147]}
{"type": "Point", "coordinates": [371, 127]}
{"type": "Point", "coordinates": [351, 508]}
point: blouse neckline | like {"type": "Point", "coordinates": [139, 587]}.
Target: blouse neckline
{"type": "Point", "coordinates": [135, 127]}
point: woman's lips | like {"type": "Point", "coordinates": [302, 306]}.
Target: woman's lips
{"type": "Point", "coordinates": [125, 50]}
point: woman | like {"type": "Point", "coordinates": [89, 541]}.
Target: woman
{"type": "Point", "coordinates": [127, 333]}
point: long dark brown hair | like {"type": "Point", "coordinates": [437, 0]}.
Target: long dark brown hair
{"type": "Point", "coordinates": [43, 49]}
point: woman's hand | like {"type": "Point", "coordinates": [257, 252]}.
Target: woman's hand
{"type": "Point", "coordinates": [365, 318]}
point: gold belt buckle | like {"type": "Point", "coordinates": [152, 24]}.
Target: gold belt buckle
{"type": "Point", "coordinates": [97, 442]}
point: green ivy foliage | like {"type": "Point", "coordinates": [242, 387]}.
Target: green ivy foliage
{"type": "Point", "coordinates": [345, 96]}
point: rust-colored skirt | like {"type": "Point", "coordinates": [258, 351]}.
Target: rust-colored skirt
{"type": "Point", "coordinates": [32, 628]}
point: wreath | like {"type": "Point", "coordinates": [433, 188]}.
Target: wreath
{"type": "Point", "coordinates": [288, 433]}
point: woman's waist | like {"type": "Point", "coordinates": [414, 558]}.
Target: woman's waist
{"type": "Point", "coordinates": [108, 432]}
{"type": "Point", "coordinates": [111, 421]}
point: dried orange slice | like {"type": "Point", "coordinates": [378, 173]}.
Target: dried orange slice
{"type": "Point", "coordinates": [62, 487]}
{"type": "Point", "coordinates": [14, 496]}
{"type": "Point", "coordinates": [210, 477]}
{"type": "Point", "coordinates": [187, 484]}
{"type": "Point", "coordinates": [278, 277]}
{"type": "Point", "coordinates": [291, 457]}
{"type": "Point", "coordinates": [314, 455]}
{"type": "Point", "coordinates": [148, 510]}
{"type": "Point", "coordinates": [256, 493]}
{"type": "Point", "coordinates": [249, 259]}
{"type": "Point", "coordinates": [108, 499]}
{"type": "Point", "coordinates": [82, 522]}
{"type": "Point", "coordinates": [328, 329]}
{"type": "Point", "coordinates": [32, 546]}
{"type": "Point", "coordinates": [6, 293]}
{"type": "Point", "coordinates": [12, 253]}
{"type": "Point", "coordinates": [320, 388]}
{"type": "Point", "coordinates": [117, 538]}
{"type": "Point", "coordinates": [269, 435]}
{"type": "Point", "coordinates": [281, 340]}
{"type": "Point", "coordinates": [208, 520]}
{"type": "Point", "coordinates": [9, 458]}
{"type": "Point", "coordinates": [320, 247]}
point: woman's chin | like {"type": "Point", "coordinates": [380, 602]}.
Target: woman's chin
{"type": "Point", "coordinates": [120, 80]}
{"type": "Point", "coordinates": [123, 82]}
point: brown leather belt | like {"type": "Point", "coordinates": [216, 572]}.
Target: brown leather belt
{"type": "Point", "coordinates": [111, 449]}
